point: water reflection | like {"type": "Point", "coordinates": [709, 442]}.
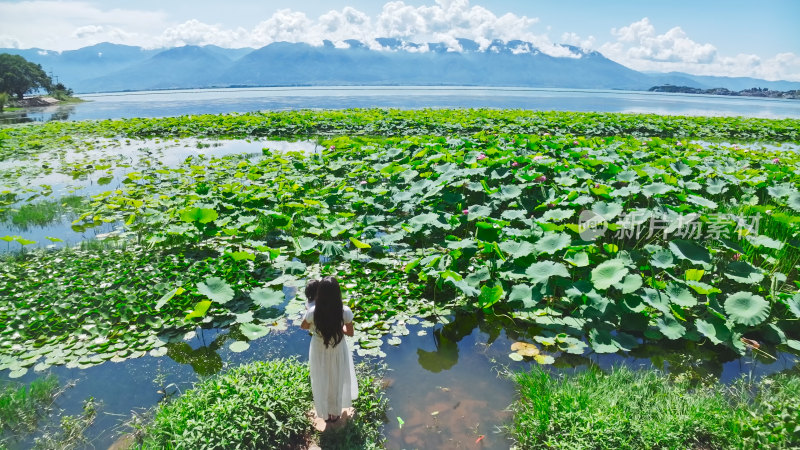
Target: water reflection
{"type": "Point", "coordinates": [38, 114]}
{"type": "Point", "coordinates": [204, 360]}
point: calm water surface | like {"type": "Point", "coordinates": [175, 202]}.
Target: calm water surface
{"type": "Point", "coordinates": [215, 101]}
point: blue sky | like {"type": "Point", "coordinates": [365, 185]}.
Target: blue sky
{"type": "Point", "coordinates": [708, 37]}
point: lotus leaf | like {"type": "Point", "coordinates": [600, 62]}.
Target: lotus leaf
{"type": "Point", "coordinates": [490, 295]}
{"type": "Point", "coordinates": [763, 241]}
{"type": "Point", "coordinates": [630, 283]}
{"type": "Point", "coordinates": [253, 331]}
{"type": "Point", "coordinates": [608, 273]}
{"type": "Point", "coordinates": [714, 329]}
{"type": "Point", "coordinates": [523, 293]}
{"type": "Point", "coordinates": [199, 311]}
{"type": "Point", "coordinates": [680, 295]}
{"type": "Point", "coordinates": [557, 215]}
{"type": "Point", "coordinates": [544, 359]}
{"type": "Point", "coordinates": [216, 289]}
{"type": "Point", "coordinates": [662, 259]}
{"type": "Point", "coordinates": [552, 242]}
{"type": "Point", "coordinates": [202, 215]}
{"type": "Point", "coordinates": [657, 188]}
{"type": "Point", "coordinates": [743, 272]}
{"type": "Point", "coordinates": [515, 356]}
{"type": "Point", "coordinates": [747, 308]}
{"type": "Point", "coordinates": [168, 296]}
{"type": "Point", "coordinates": [794, 201]}
{"type": "Point", "coordinates": [267, 298]}
{"type": "Point", "coordinates": [238, 346]}
{"type": "Point", "coordinates": [579, 259]}
{"type": "Point", "coordinates": [607, 211]}
{"type": "Point", "coordinates": [691, 251]}
{"type": "Point", "coordinates": [669, 326]}
{"type": "Point", "coordinates": [542, 271]}
{"type": "Point", "coordinates": [793, 304]}
{"type": "Point", "coordinates": [701, 201]}
{"type": "Point", "coordinates": [517, 249]}
{"type": "Point", "coordinates": [657, 299]}
{"type": "Point", "coordinates": [525, 349]}
{"type": "Point", "coordinates": [601, 341]}
{"type": "Point", "coordinates": [464, 287]}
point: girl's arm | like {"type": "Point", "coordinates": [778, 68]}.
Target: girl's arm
{"type": "Point", "coordinates": [348, 329]}
{"type": "Point", "coordinates": [305, 325]}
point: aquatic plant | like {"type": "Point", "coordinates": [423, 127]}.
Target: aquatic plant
{"type": "Point", "coordinates": [647, 409]}
{"type": "Point", "coordinates": [21, 406]}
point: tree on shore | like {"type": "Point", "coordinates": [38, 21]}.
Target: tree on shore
{"type": "Point", "coordinates": [19, 76]}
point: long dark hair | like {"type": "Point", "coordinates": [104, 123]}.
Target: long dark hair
{"type": "Point", "coordinates": [311, 290]}
{"type": "Point", "coordinates": [328, 311]}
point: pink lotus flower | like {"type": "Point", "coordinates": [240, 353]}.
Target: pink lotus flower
{"type": "Point", "coordinates": [551, 205]}
{"type": "Point", "coordinates": [776, 160]}
{"type": "Point", "coordinates": [481, 156]}
{"type": "Point", "coordinates": [575, 142]}
{"type": "Point", "coordinates": [546, 134]}
{"type": "Point", "coordinates": [537, 157]}
{"type": "Point", "coordinates": [465, 211]}
{"type": "Point", "coordinates": [540, 179]}
{"type": "Point", "coordinates": [737, 257]}
{"type": "Point", "coordinates": [363, 182]}
{"type": "Point", "coordinates": [514, 164]}
{"type": "Point", "coordinates": [596, 185]}
{"type": "Point", "coordinates": [332, 147]}
{"type": "Point", "coordinates": [678, 143]}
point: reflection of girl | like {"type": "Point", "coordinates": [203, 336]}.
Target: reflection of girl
{"type": "Point", "coordinates": [333, 378]}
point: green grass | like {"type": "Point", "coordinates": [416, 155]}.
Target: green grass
{"type": "Point", "coordinates": [628, 409]}
{"type": "Point", "coordinates": [21, 406]}
{"type": "Point", "coordinates": [262, 405]}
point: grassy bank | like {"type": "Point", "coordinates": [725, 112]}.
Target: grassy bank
{"type": "Point", "coordinates": [645, 409]}
{"type": "Point", "coordinates": [262, 405]}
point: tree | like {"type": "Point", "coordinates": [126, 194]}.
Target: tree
{"type": "Point", "coordinates": [18, 76]}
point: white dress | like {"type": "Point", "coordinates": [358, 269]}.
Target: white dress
{"type": "Point", "coordinates": [333, 376]}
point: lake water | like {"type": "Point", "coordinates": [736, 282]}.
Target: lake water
{"type": "Point", "coordinates": [215, 101]}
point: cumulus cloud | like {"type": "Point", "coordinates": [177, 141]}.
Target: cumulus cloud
{"type": "Point", "coordinates": [640, 47]}
{"type": "Point", "coordinates": [445, 21]}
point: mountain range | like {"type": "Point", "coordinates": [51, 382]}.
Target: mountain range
{"type": "Point", "coordinates": [110, 67]}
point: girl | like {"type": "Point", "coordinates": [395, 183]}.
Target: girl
{"type": "Point", "coordinates": [311, 292]}
{"type": "Point", "coordinates": [333, 378]}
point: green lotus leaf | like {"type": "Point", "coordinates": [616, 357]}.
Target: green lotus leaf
{"type": "Point", "coordinates": [508, 192]}
{"type": "Point", "coordinates": [515, 356]}
{"type": "Point", "coordinates": [763, 241]}
{"type": "Point", "coordinates": [701, 201]}
{"type": "Point", "coordinates": [657, 299]}
{"type": "Point", "coordinates": [199, 311]}
{"type": "Point", "coordinates": [794, 201]}
{"type": "Point", "coordinates": [793, 344]}
{"type": "Point", "coordinates": [23, 241]}
{"type": "Point", "coordinates": [306, 244]}
{"type": "Point", "coordinates": [294, 267]}
{"type": "Point", "coordinates": [487, 232]}
{"type": "Point", "coordinates": [662, 259]}
{"type": "Point", "coordinates": [478, 212]}
{"type": "Point", "coordinates": [216, 289]}
{"type": "Point", "coordinates": [17, 372]}
{"type": "Point", "coordinates": [358, 244]}
{"type": "Point", "coordinates": [601, 341]}
{"type": "Point", "coordinates": [714, 329]}
{"type": "Point", "coordinates": [168, 296]}
{"type": "Point", "coordinates": [630, 283]}
{"type": "Point", "coordinates": [523, 293]}
{"type": "Point", "coordinates": [657, 188]}
{"type": "Point", "coordinates": [542, 271]}
{"type": "Point", "coordinates": [781, 190]}
{"type": "Point", "coordinates": [238, 346]}
{"type": "Point", "coordinates": [544, 359]}
{"type": "Point", "coordinates": [794, 305]}
{"type": "Point", "coordinates": [464, 287]}
{"type": "Point", "coordinates": [557, 215]}
{"type": "Point", "coordinates": [669, 326]}
{"type": "Point", "coordinates": [580, 259]}
{"type": "Point", "coordinates": [514, 214]}
{"type": "Point", "coordinates": [743, 272]}
{"type": "Point", "coordinates": [572, 345]}
{"type": "Point", "coordinates": [633, 303]}
{"type": "Point", "coordinates": [202, 215]}
{"type": "Point", "coordinates": [607, 210]}
{"type": "Point", "coordinates": [680, 296]}
{"type": "Point", "coordinates": [517, 249]}
{"type": "Point", "coordinates": [552, 242]}
{"type": "Point", "coordinates": [608, 273]}
{"type": "Point", "coordinates": [240, 256]}
{"type": "Point", "coordinates": [747, 308]}
{"type": "Point", "coordinates": [702, 288]}
{"type": "Point", "coordinates": [691, 251]}
{"type": "Point", "coordinates": [331, 248]}
{"type": "Point", "coordinates": [681, 168]}
{"type": "Point", "coordinates": [490, 295]}
{"type": "Point", "coordinates": [716, 186]}
{"type": "Point", "coordinates": [267, 298]}
{"type": "Point", "coordinates": [245, 317]}
{"type": "Point", "coordinates": [253, 331]}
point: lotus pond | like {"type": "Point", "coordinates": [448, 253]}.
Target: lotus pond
{"type": "Point", "coordinates": [565, 239]}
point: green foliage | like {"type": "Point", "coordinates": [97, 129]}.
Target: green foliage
{"type": "Point", "coordinates": [22, 406]}
{"type": "Point", "coordinates": [71, 432]}
{"type": "Point", "coordinates": [263, 405]}
{"type": "Point", "coordinates": [645, 409]}
{"type": "Point", "coordinates": [18, 76]}
{"type": "Point", "coordinates": [3, 100]}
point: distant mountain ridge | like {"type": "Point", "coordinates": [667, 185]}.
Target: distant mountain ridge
{"type": "Point", "coordinates": [112, 67]}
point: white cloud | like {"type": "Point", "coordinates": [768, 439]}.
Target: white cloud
{"type": "Point", "coordinates": [640, 47]}
{"type": "Point", "coordinates": [63, 25]}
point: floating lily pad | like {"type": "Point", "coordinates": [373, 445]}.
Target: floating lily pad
{"type": "Point", "coordinates": [216, 289]}
{"type": "Point", "coordinates": [238, 346]}
{"type": "Point", "coordinates": [253, 331]}
{"type": "Point", "coordinates": [608, 273]}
